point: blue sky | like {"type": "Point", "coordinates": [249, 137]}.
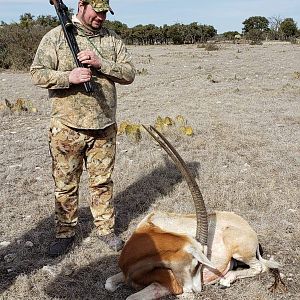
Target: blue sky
{"type": "Point", "coordinates": [224, 15]}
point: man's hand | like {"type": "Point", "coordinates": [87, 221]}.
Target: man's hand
{"type": "Point", "coordinates": [80, 75]}
{"type": "Point", "coordinates": [89, 58]}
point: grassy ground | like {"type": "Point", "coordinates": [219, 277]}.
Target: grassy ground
{"type": "Point", "coordinates": [243, 105]}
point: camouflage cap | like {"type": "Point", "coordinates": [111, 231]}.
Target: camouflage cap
{"type": "Point", "coordinates": [100, 5]}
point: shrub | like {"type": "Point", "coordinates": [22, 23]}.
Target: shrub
{"type": "Point", "coordinates": [142, 71]}
{"type": "Point", "coordinates": [20, 105]}
{"type": "Point", "coordinates": [18, 45]}
{"type": "Point", "coordinates": [133, 131]}
{"type": "Point", "coordinates": [255, 36]}
{"type": "Point", "coordinates": [201, 45]}
{"type": "Point", "coordinates": [211, 47]}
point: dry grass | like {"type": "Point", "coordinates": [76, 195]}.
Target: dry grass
{"type": "Point", "coordinates": [244, 151]}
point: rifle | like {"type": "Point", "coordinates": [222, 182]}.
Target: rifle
{"type": "Point", "coordinates": [67, 26]}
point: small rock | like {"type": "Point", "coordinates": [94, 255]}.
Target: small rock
{"type": "Point", "coordinates": [68, 271]}
{"type": "Point", "coordinates": [87, 240]}
{"type": "Point", "coordinates": [15, 166]}
{"type": "Point", "coordinates": [4, 244]}
{"type": "Point", "coordinates": [289, 229]}
{"type": "Point", "coordinates": [9, 257]}
{"type": "Point", "coordinates": [29, 244]}
{"type": "Point", "coordinates": [51, 270]}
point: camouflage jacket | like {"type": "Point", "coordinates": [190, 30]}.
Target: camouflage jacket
{"type": "Point", "coordinates": [70, 103]}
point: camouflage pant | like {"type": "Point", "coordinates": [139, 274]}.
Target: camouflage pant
{"type": "Point", "coordinates": [69, 149]}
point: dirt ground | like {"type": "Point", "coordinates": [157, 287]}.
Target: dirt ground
{"type": "Point", "coordinates": [242, 102]}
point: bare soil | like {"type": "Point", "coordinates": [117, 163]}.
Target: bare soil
{"type": "Point", "coordinates": [242, 102]}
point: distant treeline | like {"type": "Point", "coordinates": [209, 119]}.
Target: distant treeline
{"type": "Point", "coordinates": [19, 40]}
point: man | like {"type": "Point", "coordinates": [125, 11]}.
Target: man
{"type": "Point", "coordinates": [82, 127]}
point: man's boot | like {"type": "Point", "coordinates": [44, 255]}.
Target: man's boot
{"type": "Point", "coordinates": [112, 241]}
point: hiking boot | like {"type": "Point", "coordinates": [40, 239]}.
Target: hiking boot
{"type": "Point", "coordinates": [112, 241]}
{"type": "Point", "coordinates": [60, 246]}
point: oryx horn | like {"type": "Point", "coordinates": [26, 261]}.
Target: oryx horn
{"type": "Point", "coordinates": [201, 213]}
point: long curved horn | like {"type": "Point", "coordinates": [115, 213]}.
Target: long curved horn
{"type": "Point", "coordinates": [201, 213]}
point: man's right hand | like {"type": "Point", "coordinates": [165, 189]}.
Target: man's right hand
{"type": "Point", "coordinates": [80, 75]}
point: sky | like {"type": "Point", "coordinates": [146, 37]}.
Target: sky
{"type": "Point", "coordinates": [224, 15]}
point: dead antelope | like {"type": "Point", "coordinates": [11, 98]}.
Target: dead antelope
{"type": "Point", "coordinates": [176, 253]}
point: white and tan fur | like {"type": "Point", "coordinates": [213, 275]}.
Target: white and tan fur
{"type": "Point", "coordinates": [162, 254]}
{"type": "Point", "coordinates": [163, 257]}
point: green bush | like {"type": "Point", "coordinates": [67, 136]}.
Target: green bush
{"type": "Point", "coordinates": [255, 36]}
{"type": "Point", "coordinates": [18, 45]}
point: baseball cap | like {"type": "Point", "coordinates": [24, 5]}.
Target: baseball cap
{"type": "Point", "coordinates": [100, 5]}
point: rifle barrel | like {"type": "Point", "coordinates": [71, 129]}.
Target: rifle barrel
{"type": "Point", "coordinates": [67, 26]}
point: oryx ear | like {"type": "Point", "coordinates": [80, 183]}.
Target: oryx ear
{"type": "Point", "coordinates": [195, 250]}
{"type": "Point", "coordinates": [204, 260]}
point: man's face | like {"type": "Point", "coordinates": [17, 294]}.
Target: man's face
{"type": "Point", "coordinates": [90, 17]}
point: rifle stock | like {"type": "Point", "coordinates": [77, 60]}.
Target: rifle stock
{"type": "Point", "coordinates": [67, 26]}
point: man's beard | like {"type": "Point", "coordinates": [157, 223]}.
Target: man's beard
{"type": "Point", "coordinates": [89, 26]}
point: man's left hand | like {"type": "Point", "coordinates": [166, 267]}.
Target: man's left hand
{"type": "Point", "coordinates": [89, 58]}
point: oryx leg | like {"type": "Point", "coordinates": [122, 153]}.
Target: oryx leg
{"type": "Point", "coordinates": [255, 268]}
{"type": "Point", "coordinates": [163, 277]}
{"type": "Point", "coordinates": [151, 292]}
{"type": "Point", "coordinates": [115, 281]}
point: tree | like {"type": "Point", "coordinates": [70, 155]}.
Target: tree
{"type": "Point", "coordinates": [151, 34]}
{"type": "Point", "coordinates": [288, 28]}
{"type": "Point", "coordinates": [165, 34]}
{"type": "Point", "coordinates": [47, 21]}
{"type": "Point", "coordinates": [176, 34]}
{"type": "Point", "coordinates": [193, 33]}
{"type": "Point", "coordinates": [26, 20]}
{"type": "Point", "coordinates": [257, 22]}
{"type": "Point", "coordinates": [138, 34]}
{"type": "Point", "coordinates": [256, 28]}
{"type": "Point", "coordinates": [117, 26]}
{"type": "Point", "coordinates": [18, 45]}
{"type": "Point", "coordinates": [208, 32]}
{"type": "Point", "coordinates": [19, 41]}
{"type": "Point", "coordinates": [230, 35]}
{"type": "Point", "coordinates": [274, 24]}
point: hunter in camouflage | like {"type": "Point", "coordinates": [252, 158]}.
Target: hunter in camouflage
{"type": "Point", "coordinates": [69, 150]}
{"type": "Point", "coordinates": [83, 125]}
